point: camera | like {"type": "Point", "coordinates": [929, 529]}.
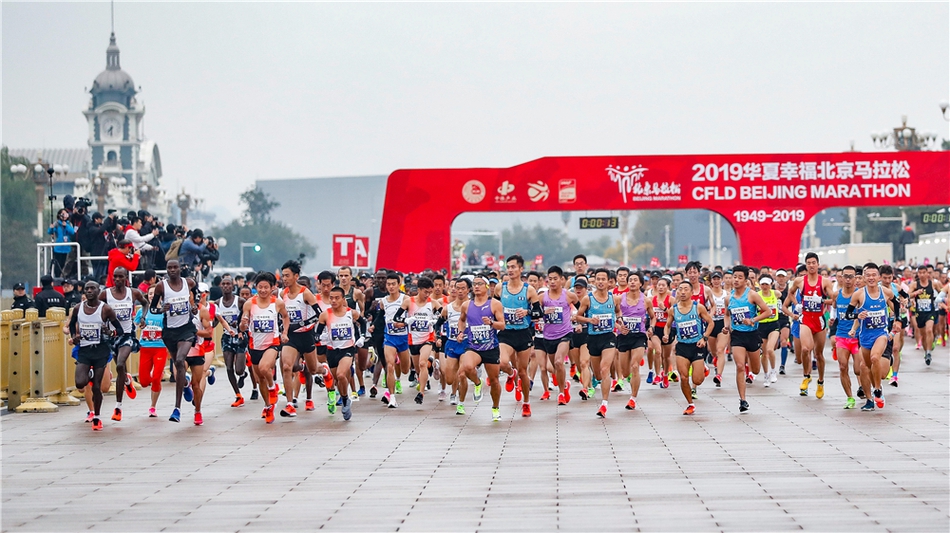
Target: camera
{"type": "Point", "coordinates": [81, 203]}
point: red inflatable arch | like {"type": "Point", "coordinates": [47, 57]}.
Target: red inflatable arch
{"type": "Point", "coordinates": [768, 198]}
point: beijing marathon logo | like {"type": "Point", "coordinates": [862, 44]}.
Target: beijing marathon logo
{"type": "Point", "coordinates": [631, 182]}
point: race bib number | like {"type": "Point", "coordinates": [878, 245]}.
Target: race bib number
{"type": "Point", "coordinates": [178, 307]}
{"type": "Point", "coordinates": [393, 329]}
{"type": "Point", "coordinates": [774, 309]}
{"type": "Point", "coordinates": [481, 334]}
{"type": "Point", "coordinates": [453, 330]}
{"type": "Point", "coordinates": [152, 333]}
{"type": "Point", "coordinates": [124, 314]}
{"type": "Point", "coordinates": [295, 315]}
{"type": "Point", "coordinates": [720, 312]}
{"type": "Point", "coordinates": [341, 332]}
{"type": "Point", "coordinates": [231, 319]}
{"type": "Point", "coordinates": [740, 313]}
{"type": "Point", "coordinates": [263, 325]}
{"type": "Point", "coordinates": [876, 319]}
{"type": "Point", "coordinates": [633, 323]}
{"type": "Point", "coordinates": [688, 329]}
{"type": "Point", "coordinates": [924, 305]}
{"type": "Point", "coordinates": [511, 316]}
{"type": "Point", "coordinates": [603, 323]}
{"type": "Point", "coordinates": [419, 324]}
{"type": "Point", "coordinates": [660, 315]}
{"type": "Point", "coordinates": [812, 304]}
{"type": "Point", "coordinates": [554, 315]}
{"type": "Point", "coordinates": [90, 333]}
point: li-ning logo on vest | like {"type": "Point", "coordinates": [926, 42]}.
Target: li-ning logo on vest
{"type": "Point", "coordinates": [630, 181]}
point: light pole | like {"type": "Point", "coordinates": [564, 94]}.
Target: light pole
{"type": "Point", "coordinates": [904, 138]}
{"type": "Point", "coordinates": [254, 245]}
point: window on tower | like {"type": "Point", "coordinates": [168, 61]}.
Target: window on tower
{"type": "Point", "coordinates": [111, 157]}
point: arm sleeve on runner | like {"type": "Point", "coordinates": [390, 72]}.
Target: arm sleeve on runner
{"type": "Point", "coordinates": [400, 315]}
{"type": "Point", "coordinates": [536, 311]}
{"type": "Point", "coordinates": [439, 323]}
{"type": "Point", "coordinates": [850, 314]}
{"type": "Point", "coordinates": [320, 328]}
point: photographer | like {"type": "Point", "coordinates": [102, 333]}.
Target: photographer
{"type": "Point", "coordinates": [96, 241]}
{"type": "Point", "coordinates": [210, 256]}
{"type": "Point", "coordinates": [81, 221]}
{"type": "Point", "coordinates": [124, 255]}
{"type": "Point", "coordinates": [62, 231]}
{"type": "Point", "coordinates": [192, 248]}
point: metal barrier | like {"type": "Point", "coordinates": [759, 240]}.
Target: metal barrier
{"type": "Point", "coordinates": [36, 361]}
{"type": "Point", "coordinates": [43, 258]}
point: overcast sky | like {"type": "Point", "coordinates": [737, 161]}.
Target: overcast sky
{"type": "Point", "coordinates": [236, 92]}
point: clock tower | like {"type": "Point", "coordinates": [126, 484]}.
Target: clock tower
{"type": "Point", "coordinates": [118, 151]}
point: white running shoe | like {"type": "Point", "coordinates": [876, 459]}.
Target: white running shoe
{"type": "Point", "coordinates": [441, 395]}
{"type": "Point", "coordinates": [774, 377]}
{"type": "Point", "coordinates": [454, 399]}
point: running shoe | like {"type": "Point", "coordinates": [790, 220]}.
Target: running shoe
{"type": "Point", "coordinates": [309, 406]}
{"type": "Point", "coordinates": [690, 409]}
{"type": "Point", "coordinates": [478, 393]}
{"type": "Point", "coordinates": [130, 388]}
{"type": "Point", "coordinates": [850, 403]}
{"type": "Point", "coordinates": [302, 377]}
{"type": "Point", "coordinates": [546, 395]}
{"type": "Point", "coordinates": [574, 373]}
{"type": "Point", "coordinates": [117, 415]}
{"type": "Point", "coordinates": [392, 404]}
{"type": "Point", "coordinates": [274, 394]}
{"type": "Point", "coordinates": [495, 415]}
{"type": "Point", "coordinates": [820, 393]}
{"type": "Point", "coordinates": [89, 416]}
{"type": "Point", "coordinates": [254, 394]}
{"type": "Point", "coordinates": [693, 394]}
{"type": "Point", "coordinates": [241, 379]}
{"type": "Point", "coordinates": [373, 391]}
{"type": "Point", "coordinates": [743, 406]}
{"type": "Point", "coordinates": [175, 416]}
{"type": "Point", "coordinates": [419, 398]}
{"type": "Point", "coordinates": [554, 380]}
{"type": "Point", "coordinates": [803, 390]}
{"type": "Point", "coordinates": [347, 408]}
{"type": "Point", "coordinates": [331, 401]}
{"type": "Point", "coordinates": [211, 378]}
{"type": "Point", "coordinates": [717, 379]}
{"type": "Point", "coordinates": [583, 394]}
{"type": "Point", "coordinates": [781, 370]}
{"type": "Point", "coordinates": [567, 393]}
{"type": "Point", "coordinates": [868, 406]}
{"type": "Point", "coordinates": [705, 371]}
{"type": "Point", "coordinates": [387, 397]}
{"type": "Point", "coordinates": [198, 419]}
{"type": "Point", "coordinates": [327, 376]}
{"type": "Point", "coordinates": [269, 414]}
{"type": "Point", "coordinates": [767, 383]}
{"type": "Point", "coordinates": [602, 411]}
{"type": "Point", "coordinates": [510, 382]}
{"type": "Point", "coordinates": [526, 410]}
{"type": "Point", "coordinates": [361, 392]}
{"type": "Point", "coordinates": [442, 395]}
{"type": "Point", "coordinates": [318, 381]}
{"type": "Point", "coordinates": [616, 387]}
{"type": "Point", "coordinates": [398, 387]}
{"type": "Point", "coordinates": [774, 377]}
{"type": "Point", "coordinates": [894, 381]}
{"type": "Point", "coordinates": [460, 409]}
{"type": "Point", "coordinates": [560, 399]}
{"type": "Point", "coordinates": [631, 404]}
{"type": "Point", "coordinates": [749, 378]}
{"type": "Point", "coordinates": [861, 394]}
{"type": "Point", "coordinates": [453, 399]}
{"type": "Point", "coordinates": [518, 394]}
{"type": "Point", "coordinates": [289, 411]}
{"type": "Point", "coordinates": [238, 401]}
{"type": "Point", "coordinates": [650, 375]}
{"type": "Point", "coordinates": [879, 398]}
{"type": "Point", "coordinates": [436, 370]}
{"type": "Point", "coordinates": [339, 400]}
{"type": "Point", "coordinates": [152, 413]}
{"type": "Point", "coordinates": [814, 365]}
{"type": "Point", "coordinates": [666, 381]}
{"type": "Point", "coordinates": [96, 424]}
{"type": "Point", "coordinates": [674, 376]}
{"type": "Point", "coordinates": [591, 392]}
{"type": "Point", "coordinates": [188, 394]}
{"type": "Point", "coordinates": [928, 358]}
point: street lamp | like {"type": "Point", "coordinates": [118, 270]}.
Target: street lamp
{"type": "Point", "coordinates": [904, 138]}
{"type": "Point", "coordinates": [254, 245]}
{"type": "Point", "coordinates": [943, 109]}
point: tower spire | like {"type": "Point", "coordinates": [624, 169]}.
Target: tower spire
{"type": "Point", "coordinates": [112, 11]}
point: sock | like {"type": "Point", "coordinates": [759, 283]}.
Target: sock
{"type": "Point", "coordinates": [784, 355]}
{"type": "Point", "coordinates": [895, 374]}
{"type": "Point", "coordinates": [118, 405]}
{"type": "Point", "coordinates": [604, 403]}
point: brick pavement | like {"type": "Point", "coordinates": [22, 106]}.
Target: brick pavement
{"type": "Point", "coordinates": [791, 463]}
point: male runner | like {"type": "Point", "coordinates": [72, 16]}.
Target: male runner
{"type": "Point", "coordinates": [355, 299]}
{"type": "Point", "coordinates": [784, 325]}
{"type": "Point", "coordinates": [816, 293]}
{"type": "Point", "coordinates": [480, 322]}
{"type": "Point", "coordinates": [694, 325]}
{"type": "Point", "coordinates": [557, 303]}
{"type": "Point", "coordinates": [261, 314]}
{"type": "Point", "coordinates": [396, 339]}
{"type": "Point", "coordinates": [741, 325]}
{"type": "Point", "coordinates": [601, 341]}
{"type": "Point", "coordinates": [231, 310]}
{"type": "Point", "coordinates": [453, 347]}
{"type": "Point", "coordinates": [122, 299]}
{"type": "Point", "coordinates": [345, 337]}
{"type": "Point", "coordinates": [87, 329]}
{"type": "Point", "coordinates": [179, 333]}
{"type": "Point", "coordinates": [302, 311]}
{"type": "Point", "coordinates": [870, 307]}
{"type": "Point", "coordinates": [421, 312]}
{"type": "Point", "coordinates": [635, 317]}
{"type": "Point", "coordinates": [846, 346]}
{"type": "Point", "coordinates": [923, 291]}
{"type": "Point", "coordinates": [662, 349]}
{"type": "Point", "coordinates": [887, 278]}
{"type": "Point", "coordinates": [521, 305]}
{"type": "Point", "coordinates": [197, 358]}
{"type": "Point", "coordinates": [718, 341]}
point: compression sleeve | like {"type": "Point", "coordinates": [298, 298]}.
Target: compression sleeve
{"type": "Point", "coordinates": [850, 314]}
{"type": "Point", "coordinates": [320, 328]}
{"type": "Point", "coordinates": [400, 315]}
{"type": "Point", "coordinates": [536, 311]}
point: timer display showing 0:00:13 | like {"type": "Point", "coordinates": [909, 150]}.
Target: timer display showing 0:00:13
{"type": "Point", "coordinates": [775, 215]}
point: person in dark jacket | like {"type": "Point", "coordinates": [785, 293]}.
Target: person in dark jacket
{"type": "Point", "coordinates": [48, 297]}
{"type": "Point", "coordinates": [20, 299]}
{"type": "Point", "coordinates": [71, 293]}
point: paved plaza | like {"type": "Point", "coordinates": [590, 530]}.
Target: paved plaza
{"type": "Point", "coordinates": [791, 463]}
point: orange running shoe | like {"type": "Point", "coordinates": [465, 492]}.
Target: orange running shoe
{"type": "Point", "coordinates": [561, 400]}
{"type": "Point", "coordinates": [526, 410]}
{"type": "Point", "coordinates": [302, 377]}
{"type": "Point", "coordinates": [273, 395]}
{"type": "Point", "coordinates": [631, 404]}
{"type": "Point", "coordinates": [602, 412]}
{"type": "Point", "coordinates": [546, 395]}
{"type": "Point", "coordinates": [328, 377]}
{"type": "Point", "coordinates": [269, 414]}
{"type": "Point", "coordinates": [518, 391]}
{"type": "Point", "coordinates": [198, 420]}
{"type": "Point", "coordinates": [96, 424]}
{"type": "Point", "coordinates": [510, 382]}
{"type": "Point", "coordinates": [690, 409]}
{"type": "Point", "coordinates": [567, 393]}
{"type": "Point", "coordinates": [554, 379]}
{"type": "Point", "coordinates": [288, 411]}
{"type": "Point", "coordinates": [238, 401]}
{"type": "Point", "coordinates": [310, 406]}
{"type": "Point", "coordinates": [117, 415]}
{"type": "Point", "coordinates": [130, 388]}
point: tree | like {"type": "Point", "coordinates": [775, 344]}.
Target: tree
{"type": "Point", "coordinates": [890, 230]}
{"type": "Point", "coordinates": [278, 242]}
{"type": "Point", "coordinates": [552, 243]}
{"type": "Point", "coordinates": [17, 222]}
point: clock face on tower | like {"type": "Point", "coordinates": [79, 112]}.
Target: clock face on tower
{"type": "Point", "coordinates": [110, 128]}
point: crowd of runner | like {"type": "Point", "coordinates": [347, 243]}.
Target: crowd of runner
{"type": "Point", "coordinates": [533, 333]}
